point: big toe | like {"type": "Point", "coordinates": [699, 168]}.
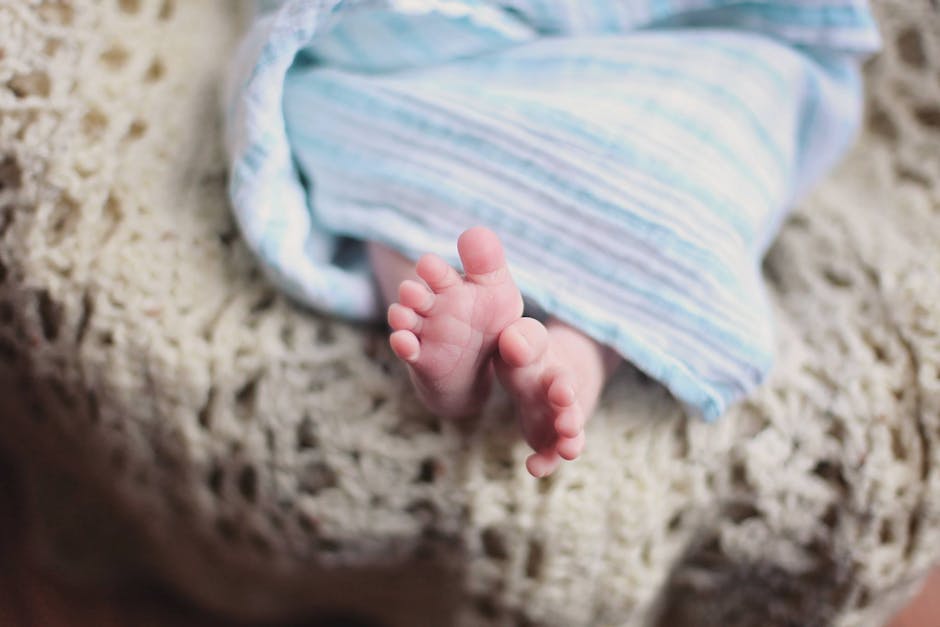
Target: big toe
{"type": "Point", "coordinates": [523, 342]}
{"type": "Point", "coordinates": [542, 464]}
{"type": "Point", "coordinates": [482, 256]}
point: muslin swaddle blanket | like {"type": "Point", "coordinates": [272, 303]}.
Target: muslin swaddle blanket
{"type": "Point", "coordinates": [635, 156]}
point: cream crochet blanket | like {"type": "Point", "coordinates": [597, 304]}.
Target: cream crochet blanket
{"type": "Point", "coordinates": [266, 461]}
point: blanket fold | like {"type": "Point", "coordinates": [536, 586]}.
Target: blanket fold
{"type": "Point", "coordinates": [636, 156]}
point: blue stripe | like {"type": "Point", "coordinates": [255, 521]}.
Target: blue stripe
{"type": "Point", "coordinates": [580, 65]}
{"type": "Point", "coordinates": [369, 104]}
{"type": "Point", "coordinates": [700, 322]}
{"type": "Point", "coordinates": [337, 157]}
{"type": "Point", "coordinates": [580, 128]}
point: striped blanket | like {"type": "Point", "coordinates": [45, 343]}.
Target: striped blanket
{"type": "Point", "coordinates": [635, 156]}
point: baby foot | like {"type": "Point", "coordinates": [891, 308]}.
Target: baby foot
{"type": "Point", "coordinates": [550, 404]}
{"type": "Point", "coordinates": [446, 329]}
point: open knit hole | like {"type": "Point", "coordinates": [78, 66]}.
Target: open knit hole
{"type": "Point", "coordinates": [136, 130]}
{"type": "Point", "coordinates": [155, 71]}
{"type": "Point", "coordinates": [911, 48]}
{"type": "Point", "coordinates": [408, 425]}
{"type": "Point", "coordinates": [831, 517]}
{"type": "Point", "coordinates": [498, 464]}
{"type": "Point", "coordinates": [329, 545]}
{"type": "Point", "coordinates": [276, 520]}
{"type": "Point", "coordinates": [34, 83]}
{"type": "Point", "coordinates": [50, 315]}
{"type": "Point", "coordinates": [486, 607]}
{"type": "Point", "coordinates": [897, 444]}
{"type": "Point", "coordinates": [11, 175]}
{"type": "Point", "coordinates": [204, 416]}
{"type": "Point", "coordinates": [674, 523]}
{"type": "Point", "coordinates": [886, 533]}
{"type": "Point", "coordinates": [316, 477]}
{"type": "Point", "coordinates": [228, 236]}
{"type": "Point", "coordinates": [682, 439]}
{"type": "Point", "coordinates": [424, 511]}
{"type": "Point", "coordinates": [84, 317]}
{"type": "Point", "coordinates": [27, 124]}
{"type": "Point", "coordinates": [259, 543]}
{"type": "Point", "coordinates": [94, 124]}
{"type": "Point", "coordinates": [287, 335]}
{"type": "Point", "coordinates": [246, 396]}
{"type": "Point", "coordinates": [913, 534]}
{"type": "Point", "coordinates": [535, 560]}
{"type": "Point", "coordinates": [264, 302]}
{"type": "Point", "coordinates": [837, 278]}
{"type": "Point", "coordinates": [836, 431]}
{"type": "Point", "coordinates": [545, 484]}
{"type": "Point", "coordinates": [881, 123]}
{"type": "Point", "coordinates": [115, 57]}
{"type": "Point", "coordinates": [113, 213]}
{"type": "Point", "coordinates": [326, 334]}
{"type": "Point", "coordinates": [428, 470]}
{"type": "Point", "coordinates": [307, 524]}
{"type": "Point", "coordinates": [65, 215]}
{"type": "Point", "coordinates": [167, 10]}
{"type": "Point", "coordinates": [831, 472]}
{"type": "Point", "coordinates": [248, 483]}
{"type": "Point", "coordinates": [739, 512]}
{"type": "Point", "coordinates": [6, 219]}
{"type": "Point", "coordinates": [306, 435]}
{"type": "Point", "coordinates": [909, 174]}
{"type": "Point", "coordinates": [215, 479]}
{"type": "Point", "coordinates": [523, 621]}
{"type": "Point", "coordinates": [878, 350]}
{"type": "Point", "coordinates": [59, 12]}
{"type": "Point", "coordinates": [929, 116]}
{"type": "Point", "coordinates": [270, 440]}
{"type": "Point", "coordinates": [494, 544]}
{"type": "Point", "coordinates": [51, 47]}
{"type": "Point", "coordinates": [739, 475]}
{"type": "Point", "coordinates": [227, 529]}
{"type": "Point", "coordinates": [131, 7]}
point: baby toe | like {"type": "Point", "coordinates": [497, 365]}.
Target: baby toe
{"type": "Point", "coordinates": [415, 296]}
{"type": "Point", "coordinates": [405, 344]}
{"type": "Point", "coordinates": [437, 273]}
{"type": "Point", "coordinates": [523, 342]}
{"type": "Point", "coordinates": [559, 389]}
{"type": "Point", "coordinates": [569, 423]}
{"type": "Point", "coordinates": [401, 318]}
{"type": "Point", "coordinates": [570, 448]}
{"type": "Point", "coordinates": [542, 464]}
